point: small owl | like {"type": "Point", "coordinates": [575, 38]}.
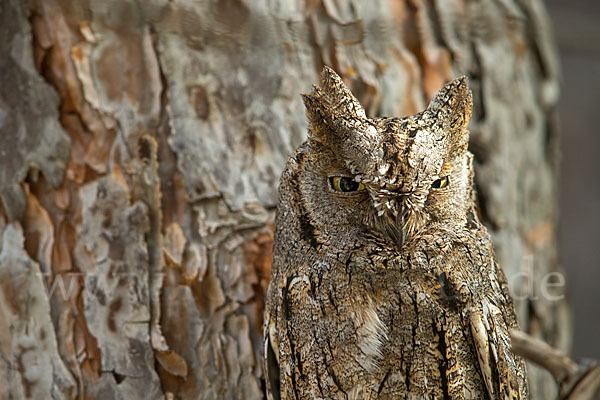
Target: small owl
{"type": "Point", "coordinates": [384, 282]}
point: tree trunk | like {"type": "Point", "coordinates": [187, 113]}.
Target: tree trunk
{"type": "Point", "coordinates": [140, 149]}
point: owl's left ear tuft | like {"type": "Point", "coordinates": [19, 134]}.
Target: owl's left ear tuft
{"type": "Point", "coordinates": [454, 105]}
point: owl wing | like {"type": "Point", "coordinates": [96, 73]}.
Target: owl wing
{"type": "Point", "coordinates": [497, 363]}
{"type": "Point", "coordinates": [272, 366]}
{"type": "Point", "coordinates": [271, 358]}
{"type": "Point", "coordinates": [490, 324]}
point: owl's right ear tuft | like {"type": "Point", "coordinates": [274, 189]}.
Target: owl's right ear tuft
{"type": "Point", "coordinates": [328, 102]}
{"type": "Point", "coordinates": [318, 112]}
{"type": "Point", "coordinates": [312, 107]}
{"type": "Point", "coordinates": [314, 114]}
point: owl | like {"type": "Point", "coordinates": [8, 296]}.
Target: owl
{"type": "Point", "coordinates": [384, 282]}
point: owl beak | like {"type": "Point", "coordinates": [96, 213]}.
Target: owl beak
{"type": "Point", "coordinates": [391, 227]}
{"type": "Point", "coordinates": [402, 230]}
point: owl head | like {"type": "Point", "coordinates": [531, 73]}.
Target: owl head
{"type": "Point", "coordinates": [390, 178]}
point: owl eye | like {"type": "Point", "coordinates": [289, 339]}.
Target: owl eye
{"type": "Point", "coordinates": [441, 183]}
{"type": "Point", "coordinates": [345, 184]}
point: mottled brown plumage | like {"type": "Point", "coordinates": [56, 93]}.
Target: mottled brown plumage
{"type": "Point", "coordinates": [384, 282]}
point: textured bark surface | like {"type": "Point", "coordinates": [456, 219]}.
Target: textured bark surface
{"type": "Point", "coordinates": [140, 149]}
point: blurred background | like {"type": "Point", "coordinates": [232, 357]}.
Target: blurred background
{"type": "Point", "coordinates": [577, 33]}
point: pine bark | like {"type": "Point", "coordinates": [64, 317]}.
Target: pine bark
{"type": "Point", "coordinates": [140, 149]}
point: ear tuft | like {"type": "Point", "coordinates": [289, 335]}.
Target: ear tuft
{"type": "Point", "coordinates": [330, 101]}
{"type": "Point", "coordinates": [333, 85]}
{"type": "Point", "coordinates": [318, 111]}
{"type": "Point", "coordinates": [339, 95]}
{"type": "Point", "coordinates": [314, 113]}
{"type": "Point", "coordinates": [453, 105]}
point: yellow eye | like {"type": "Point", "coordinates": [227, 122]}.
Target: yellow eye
{"type": "Point", "coordinates": [345, 184]}
{"type": "Point", "coordinates": [441, 183]}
